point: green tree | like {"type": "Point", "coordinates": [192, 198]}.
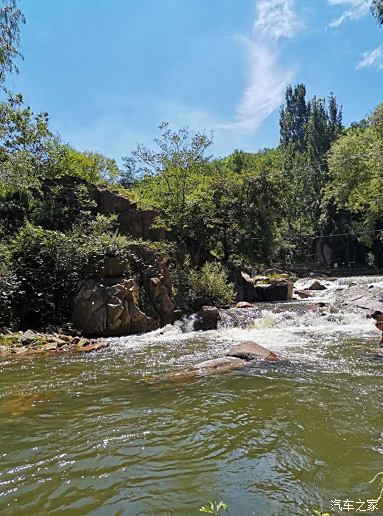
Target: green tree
{"type": "Point", "coordinates": [174, 166]}
{"type": "Point", "coordinates": [377, 10]}
{"type": "Point", "coordinates": [10, 19]}
{"type": "Point", "coordinates": [356, 176]}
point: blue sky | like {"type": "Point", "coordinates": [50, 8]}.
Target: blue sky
{"type": "Point", "coordinates": [109, 71]}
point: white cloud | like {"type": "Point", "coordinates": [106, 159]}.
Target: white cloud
{"type": "Point", "coordinates": [355, 9]}
{"type": "Point", "coordinates": [276, 19]}
{"type": "Point", "coordinates": [266, 78]}
{"type": "Point", "coordinates": [372, 59]}
{"type": "Point", "coordinates": [266, 84]}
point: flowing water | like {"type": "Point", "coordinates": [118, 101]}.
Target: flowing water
{"type": "Point", "coordinates": [106, 434]}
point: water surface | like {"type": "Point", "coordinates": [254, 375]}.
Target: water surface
{"type": "Point", "coordinates": [96, 435]}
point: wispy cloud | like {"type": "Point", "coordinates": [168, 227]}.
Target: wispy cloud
{"type": "Point", "coordinates": [266, 84]}
{"type": "Point", "coordinates": [266, 78]}
{"type": "Point", "coordinates": [372, 59]}
{"type": "Point", "coordinates": [276, 19]}
{"type": "Point", "coordinates": [354, 9]}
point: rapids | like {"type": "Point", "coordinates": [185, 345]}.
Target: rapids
{"type": "Point", "coordinates": [89, 435]}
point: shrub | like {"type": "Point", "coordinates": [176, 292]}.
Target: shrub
{"type": "Point", "coordinates": [50, 264]}
{"type": "Point", "coordinates": [208, 286]}
{"type": "Point", "coordinates": [9, 286]}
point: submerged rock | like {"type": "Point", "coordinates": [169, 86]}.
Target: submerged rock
{"type": "Point", "coordinates": [252, 351]}
{"type": "Point", "coordinates": [207, 318]}
{"type": "Point", "coordinates": [219, 365]}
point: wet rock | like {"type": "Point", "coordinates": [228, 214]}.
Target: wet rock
{"type": "Point", "coordinates": [207, 319]}
{"type": "Point", "coordinates": [252, 351]}
{"type": "Point", "coordinates": [110, 308]}
{"type": "Point", "coordinates": [243, 304]}
{"type": "Point", "coordinates": [281, 291]}
{"type": "Point", "coordinates": [301, 294]}
{"type": "Point", "coordinates": [91, 346]}
{"type": "Point", "coordinates": [219, 365]}
{"type": "Point", "coordinates": [18, 344]}
{"type": "Point", "coordinates": [316, 285]}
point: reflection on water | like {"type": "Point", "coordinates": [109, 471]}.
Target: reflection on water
{"type": "Point", "coordinates": [84, 435]}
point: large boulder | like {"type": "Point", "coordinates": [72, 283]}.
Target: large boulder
{"type": "Point", "coordinates": [281, 291]}
{"type": "Point", "coordinates": [110, 307]}
{"type": "Point", "coordinates": [125, 295]}
{"type": "Point", "coordinates": [258, 288]}
{"type": "Point", "coordinates": [207, 318]}
{"type": "Point", "coordinates": [252, 351]}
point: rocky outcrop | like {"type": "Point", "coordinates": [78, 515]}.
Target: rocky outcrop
{"type": "Point", "coordinates": [263, 288]}
{"type": "Point", "coordinates": [131, 220]}
{"type": "Point", "coordinates": [112, 305]}
{"type": "Point", "coordinates": [207, 319]}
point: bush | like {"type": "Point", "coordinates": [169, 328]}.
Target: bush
{"type": "Point", "coordinates": [208, 286]}
{"type": "Point", "coordinates": [50, 264]}
{"type": "Point", "coordinates": [211, 283]}
{"type": "Point", "coordinates": [9, 286]}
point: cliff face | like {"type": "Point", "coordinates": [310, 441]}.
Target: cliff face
{"type": "Point", "coordinates": [132, 221]}
{"type": "Point", "coordinates": [113, 304]}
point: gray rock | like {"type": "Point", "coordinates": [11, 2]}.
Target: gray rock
{"type": "Point", "coordinates": [207, 318]}
{"type": "Point", "coordinates": [252, 351]}
{"type": "Point", "coordinates": [218, 366]}
{"type": "Point", "coordinates": [316, 285]}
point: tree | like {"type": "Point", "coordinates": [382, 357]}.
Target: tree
{"type": "Point", "coordinates": [294, 117]}
{"type": "Point", "coordinates": [356, 176]}
{"type": "Point", "coordinates": [377, 10]}
{"type": "Point", "coordinates": [173, 168]}
{"type": "Point", "coordinates": [10, 19]}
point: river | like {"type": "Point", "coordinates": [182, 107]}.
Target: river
{"type": "Point", "coordinates": [103, 434]}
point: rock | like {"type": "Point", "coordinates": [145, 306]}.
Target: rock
{"type": "Point", "coordinates": [131, 220]}
{"type": "Point", "coordinates": [218, 365]}
{"type": "Point", "coordinates": [262, 288]}
{"type": "Point", "coordinates": [207, 318]}
{"type": "Point", "coordinates": [252, 351]}
{"type": "Point", "coordinates": [91, 346]}
{"type": "Point", "coordinates": [110, 308]}
{"type": "Point", "coordinates": [281, 291]}
{"type": "Point", "coordinates": [316, 285]}
{"type": "Point", "coordinates": [244, 304]}
{"type": "Point", "coordinates": [301, 294]}
{"type": "Point", "coordinates": [50, 346]}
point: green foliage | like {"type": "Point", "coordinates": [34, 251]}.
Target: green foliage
{"type": "Point", "coordinates": [211, 285]}
{"type": "Point", "coordinates": [9, 287]}
{"type": "Point", "coordinates": [48, 265]}
{"type": "Point", "coordinates": [214, 507]}
{"type": "Point", "coordinates": [356, 177]}
{"type": "Point", "coordinates": [10, 19]}
{"type": "Point", "coordinates": [170, 173]}
{"type": "Point", "coordinates": [377, 10]}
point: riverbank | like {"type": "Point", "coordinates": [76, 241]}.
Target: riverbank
{"type": "Point", "coordinates": [33, 343]}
